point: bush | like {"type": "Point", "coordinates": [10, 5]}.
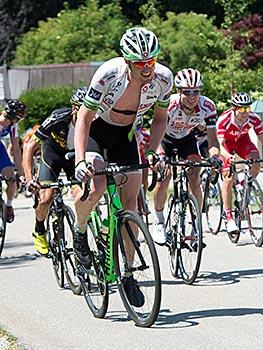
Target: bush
{"type": "Point", "coordinates": [41, 102]}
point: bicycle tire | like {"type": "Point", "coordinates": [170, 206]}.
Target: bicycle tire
{"type": "Point", "coordinates": [145, 267]}
{"type": "Point", "coordinates": [254, 212]}
{"type": "Point", "coordinates": [234, 236]}
{"type": "Point", "coordinates": [191, 240]}
{"type": "Point", "coordinates": [171, 229]}
{"type": "Point", "coordinates": [70, 269]}
{"type": "Point", "coordinates": [2, 224]}
{"type": "Point", "coordinates": [143, 208]}
{"type": "Point", "coordinates": [213, 206]}
{"type": "Point", "coordinates": [94, 286]}
{"type": "Point", "coordinates": [55, 249]}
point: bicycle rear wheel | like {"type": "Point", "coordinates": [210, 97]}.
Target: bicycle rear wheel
{"type": "Point", "coordinates": [2, 225]}
{"type": "Point", "coordinates": [254, 213]}
{"type": "Point", "coordinates": [93, 281]}
{"type": "Point", "coordinates": [171, 229]}
{"type": "Point", "coordinates": [213, 206]}
{"type": "Point", "coordinates": [69, 256]}
{"type": "Point", "coordinates": [135, 256]}
{"type": "Point", "coordinates": [191, 240]}
{"type": "Point", "coordinates": [55, 248]}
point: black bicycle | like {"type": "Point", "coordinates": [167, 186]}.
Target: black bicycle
{"type": "Point", "coordinates": [212, 199]}
{"type": "Point", "coordinates": [60, 229]}
{"type": "Point", "coordinates": [184, 224]}
{"type": "Point", "coordinates": [248, 202]}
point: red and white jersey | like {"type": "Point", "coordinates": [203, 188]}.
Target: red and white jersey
{"type": "Point", "coordinates": [229, 128]}
{"type": "Point", "coordinates": [181, 124]}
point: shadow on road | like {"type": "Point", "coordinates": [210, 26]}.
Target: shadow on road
{"type": "Point", "coordinates": [190, 319]}
{"type": "Point", "coordinates": [17, 261]}
{"type": "Point", "coordinates": [208, 278]}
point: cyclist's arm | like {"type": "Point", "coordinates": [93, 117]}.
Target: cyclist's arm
{"type": "Point", "coordinates": [213, 143]}
{"type": "Point", "coordinates": [82, 129]}
{"type": "Point", "coordinates": [223, 150]}
{"type": "Point", "coordinates": [28, 153]}
{"type": "Point", "coordinates": [17, 155]}
{"type": "Point", "coordinates": [158, 127]}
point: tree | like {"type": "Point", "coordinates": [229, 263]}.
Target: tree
{"type": "Point", "coordinates": [18, 16]}
{"type": "Point", "coordinates": [89, 33]}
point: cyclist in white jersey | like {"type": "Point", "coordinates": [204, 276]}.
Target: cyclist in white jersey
{"type": "Point", "coordinates": [120, 93]}
{"type": "Point", "coordinates": [13, 112]}
{"type": "Point", "coordinates": [187, 110]}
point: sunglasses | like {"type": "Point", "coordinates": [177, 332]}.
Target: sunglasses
{"type": "Point", "coordinates": [191, 92]}
{"type": "Point", "coordinates": [142, 64]}
{"type": "Point", "coordinates": [243, 109]}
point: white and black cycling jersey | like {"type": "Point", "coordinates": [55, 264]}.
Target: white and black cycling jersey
{"type": "Point", "coordinates": [56, 129]}
{"type": "Point", "coordinates": [110, 81]}
{"type": "Point", "coordinates": [181, 124]}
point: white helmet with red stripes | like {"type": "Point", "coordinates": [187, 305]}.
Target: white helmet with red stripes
{"type": "Point", "coordinates": [188, 78]}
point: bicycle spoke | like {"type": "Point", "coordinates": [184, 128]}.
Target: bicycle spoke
{"type": "Point", "coordinates": [254, 213]}
{"type": "Point", "coordinates": [191, 244]}
{"type": "Point", "coordinates": [93, 281]}
{"type": "Point", "coordinates": [136, 259]}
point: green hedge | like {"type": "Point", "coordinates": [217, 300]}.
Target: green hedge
{"type": "Point", "coordinates": [41, 102]}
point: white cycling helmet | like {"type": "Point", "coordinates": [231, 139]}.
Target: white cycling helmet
{"type": "Point", "coordinates": [241, 99]}
{"type": "Point", "coordinates": [188, 78]}
{"type": "Point", "coordinates": [139, 44]}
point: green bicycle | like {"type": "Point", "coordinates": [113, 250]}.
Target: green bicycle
{"type": "Point", "coordinates": [126, 251]}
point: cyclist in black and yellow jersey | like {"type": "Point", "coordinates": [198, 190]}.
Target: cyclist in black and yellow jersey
{"type": "Point", "coordinates": [56, 137]}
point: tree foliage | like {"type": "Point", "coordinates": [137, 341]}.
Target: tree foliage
{"type": "Point", "coordinates": [18, 16]}
{"type": "Point", "coordinates": [89, 33]}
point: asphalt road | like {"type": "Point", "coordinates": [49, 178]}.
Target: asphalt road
{"type": "Point", "coordinates": [222, 310]}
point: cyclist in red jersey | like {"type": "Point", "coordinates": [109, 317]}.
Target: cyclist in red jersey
{"type": "Point", "coordinates": [232, 132]}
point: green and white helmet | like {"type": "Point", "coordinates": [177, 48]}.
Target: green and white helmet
{"type": "Point", "coordinates": [139, 44]}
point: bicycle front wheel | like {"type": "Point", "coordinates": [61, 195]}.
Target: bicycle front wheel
{"type": "Point", "coordinates": [190, 240]}
{"type": "Point", "coordinates": [69, 256]}
{"type": "Point", "coordinates": [137, 268]}
{"type": "Point", "coordinates": [93, 281]}
{"type": "Point", "coordinates": [254, 213]}
{"type": "Point", "coordinates": [171, 229]}
{"type": "Point", "coordinates": [55, 249]}
{"type": "Point", "coordinates": [213, 206]}
{"type": "Point", "coordinates": [2, 225]}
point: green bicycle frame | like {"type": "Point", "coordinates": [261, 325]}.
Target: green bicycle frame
{"type": "Point", "coordinates": [115, 206]}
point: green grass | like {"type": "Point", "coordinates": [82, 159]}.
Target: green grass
{"type": "Point", "coordinates": [8, 342]}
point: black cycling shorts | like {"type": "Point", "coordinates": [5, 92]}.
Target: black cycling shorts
{"type": "Point", "coordinates": [113, 143]}
{"type": "Point", "coordinates": [185, 146]}
{"type": "Point", "coordinates": [52, 162]}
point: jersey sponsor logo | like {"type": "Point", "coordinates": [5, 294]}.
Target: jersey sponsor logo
{"type": "Point", "coordinates": [144, 106]}
{"type": "Point", "coordinates": [234, 132]}
{"type": "Point", "coordinates": [95, 94]}
{"type": "Point", "coordinates": [209, 105]}
{"type": "Point", "coordinates": [107, 101]}
{"type": "Point", "coordinates": [154, 97]}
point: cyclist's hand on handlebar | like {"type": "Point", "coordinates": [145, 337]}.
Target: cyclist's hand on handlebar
{"type": "Point", "coordinates": [33, 186]}
{"type": "Point", "coordinates": [152, 158]}
{"type": "Point", "coordinates": [83, 171]}
{"type": "Point", "coordinates": [216, 162]}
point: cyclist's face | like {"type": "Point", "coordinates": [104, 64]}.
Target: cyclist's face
{"type": "Point", "coordinates": [143, 70]}
{"type": "Point", "coordinates": [241, 113]}
{"type": "Point", "coordinates": [190, 97]}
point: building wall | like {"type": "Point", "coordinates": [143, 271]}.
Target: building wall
{"type": "Point", "coordinates": [23, 78]}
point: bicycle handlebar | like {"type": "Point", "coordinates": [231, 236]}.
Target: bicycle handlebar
{"type": "Point", "coordinates": [248, 162]}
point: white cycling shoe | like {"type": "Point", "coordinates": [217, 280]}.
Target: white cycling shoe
{"type": "Point", "coordinates": [231, 226]}
{"type": "Point", "coordinates": [159, 234]}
